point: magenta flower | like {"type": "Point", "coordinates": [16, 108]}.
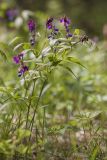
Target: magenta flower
{"type": "Point", "coordinates": [31, 25]}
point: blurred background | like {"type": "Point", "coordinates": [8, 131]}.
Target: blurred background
{"type": "Point", "coordinates": [90, 15]}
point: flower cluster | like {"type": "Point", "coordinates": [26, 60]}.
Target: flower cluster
{"type": "Point", "coordinates": [49, 23]}
{"type": "Point", "coordinates": [66, 22]}
{"type": "Point", "coordinates": [19, 60]}
{"type": "Point", "coordinates": [31, 25]}
{"type": "Point", "coordinates": [51, 26]}
{"type": "Point", "coordinates": [32, 29]}
{"type": "Point", "coordinates": [54, 31]}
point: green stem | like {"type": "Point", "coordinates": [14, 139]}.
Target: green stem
{"type": "Point", "coordinates": [29, 106]}
{"type": "Point", "coordinates": [43, 127]}
{"type": "Point", "coordinates": [33, 118]}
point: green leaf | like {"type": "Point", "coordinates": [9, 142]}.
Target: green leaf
{"type": "Point", "coordinates": [3, 54]}
{"type": "Point", "coordinates": [21, 149]}
{"type": "Point", "coordinates": [18, 46]}
{"type": "Point", "coordinates": [5, 50]}
{"type": "Point", "coordinates": [24, 46]}
{"type": "Point", "coordinates": [69, 69]}
{"type": "Point", "coordinates": [94, 154]}
{"type": "Point", "coordinates": [15, 41]}
{"type": "Point", "coordinates": [75, 60]}
{"type": "Point", "coordinates": [77, 31]}
{"type": "Point", "coordinates": [22, 133]}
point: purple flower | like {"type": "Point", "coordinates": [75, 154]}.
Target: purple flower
{"type": "Point", "coordinates": [67, 30]}
{"type": "Point", "coordinates": [21, 55]}
{"type": "Point", "coordinates": [16, 59]}
{"type": "Point", "coordinates": [56, 29]}
{"type": "Point", "coordinates": [31, 25]}
{"type": "Point", "coordinates": [25, 68]}
{"type": "Point", "coordinates": [32, 41]}
{"type": "Point", "coordinates": [69, 35]}
{"type": "Point", "coordinates": [22, 70]}
{"type": "Point", "coordinates": [11, 14]}
{"type": "Point", "coordinates": [66, 21]}
{"type": "Point", "coordinates": [49, 24]}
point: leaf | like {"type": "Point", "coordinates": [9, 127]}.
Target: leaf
{"type": "Point", "coordinates": [73, 123]}
{"type": "Point", "coordinates": [24, 46]}
{"type": "Point", "coordinates": [89, 115]}
{"type": "Point", "coordinates": [45, 89]}
{"type": "Point", "coordinates": [21, 149]}
{"type": "Point", "coordinates": [75, 60]}
{"type": "Point", "coordinates": [94, 154]}
{"type": "Point", "coordinates": [22, 133]}
{"type": "Point", "coordinates": [52, 42]}
{"type": "Point", "coordinates": [18, 46]}
{"type": "Point", "coordinates": [54, 60]}
{"type": "Point", "coordinates": [45, 51]}
{"type": "Point", "coordinates": [15, 41]}
{"type": "Point", "coordinates": [77, 31]}
{"type": "Point", "coordinates": [4, 106]}
{"type": "Point", "coordinates": [69, 69]}
{"type": "Point", "coordinates": [5, 50]}
{"type": "Point", "coordinates": [6, 147]}
{"type": "Point", "coordinates": [3, 54]}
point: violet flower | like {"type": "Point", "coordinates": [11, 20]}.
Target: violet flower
{"type": "Point", "coordinates": [31, 25]}
{"type": "Point", "coordinates": [32, 29]}
{"type": "Point", "coordinates": [18, 58]}
{"type": "Point", "coordinates": [11, 14]}
{"type": "Point", "coordinates": [49, 24]}
{"type": "Point", "coordinates": [66, 21]}
{"type": "Point", "coordinates": [22, 70]}
{"type": "Point", "coordinates": [69, 35]}
{"type": "Point", "coordinates": [55, 29]}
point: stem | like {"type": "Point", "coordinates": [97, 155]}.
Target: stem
{"type": "Point", "coordinates": [29, 106]}
{"type": "Point", "coordinates": [19, 119]}
{"type": "Point", "coordinates": [43, 127]}
{"type": "Point", "coordinates": [32, 121]}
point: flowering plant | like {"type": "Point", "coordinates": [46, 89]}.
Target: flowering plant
{"type": "Point", "coordinates": [57, 43]}
{"type": "Point", "coordinates": [36, 62]}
